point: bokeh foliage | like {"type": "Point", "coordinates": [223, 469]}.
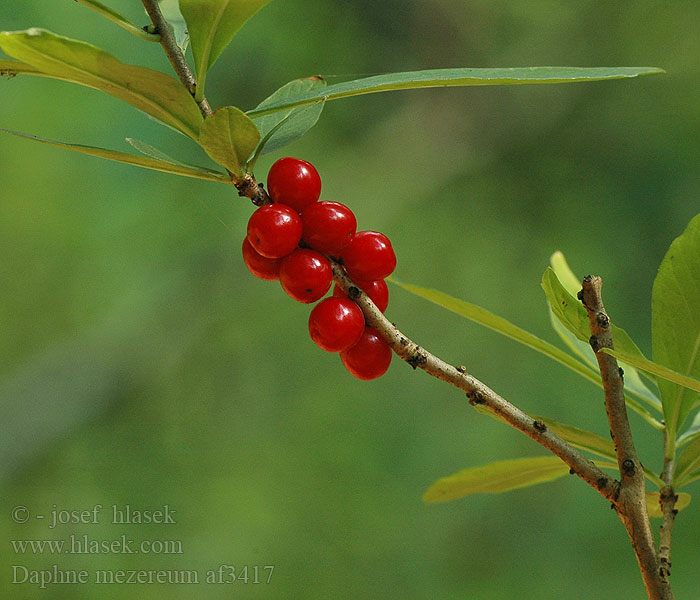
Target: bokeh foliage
{"type": "Point", "coordinates": [142, 364]}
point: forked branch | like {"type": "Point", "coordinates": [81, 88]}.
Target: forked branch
{"type": "Point", "coordinates": [246, 185]}
{"type": "Point", "coordinates": [631, 506]}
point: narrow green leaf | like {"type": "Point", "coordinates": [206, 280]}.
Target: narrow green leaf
{"type": "Point", "coordinates": [456, 78]}
{"type": "Point", "coordinates": [172, 14]}
{"type": "Point", "coordinates": [688, 462]}
{"type": "Point", "coordinates": [282, 128]}
{"type": "Point", "coordinates": [592, 442]}
{"type": "Point", "coordinates": [120, 20]}
{"type": "Point", "coordinates": [573, 316]}
{"type": "Point", "coordinates": [487, 319]}
{"type": "Point", "coordinates": [664, 374]}
{"type": "Point", "coordinates": [675, 323]}
{"type": "Point", "coordinates": [496, 478]}
{"type": "Point", "coordinates": [212, 25]}
{"type": "Point", "coordinates": [15, 67]}
{"type": "Point", "coordinates": [567, 277]}
{"type": "Point", "coordinates": [229, 137]}
{"type": "Point", "coordinates": [131, 159]}
{"type": "Point", "coordinates": [153, 92]}
{"type": "Point", "coordinates": [499, 324]}
{"type": "Point", "coordinates": [654, 508]}
{"type": "Point", "coordinates": [691, 433]}
{"type": "Point", "coordinates": [153, 152]}
{"type": "Point", "coordinates": [692, 478]}
{"type": "Point", "coordinates": [580, 438]}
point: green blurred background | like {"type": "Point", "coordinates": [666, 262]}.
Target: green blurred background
{"type": "Point", "coordinates": [141, 364]}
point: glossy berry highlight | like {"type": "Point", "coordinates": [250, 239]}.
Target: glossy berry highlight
{"type": "Point", "coordinates": [369, 358]}
{"type": "Point", "coordinates": [378, 292]}
{"type": "Point", "coordinates": [336, 324]}
{"type": "Point", "coordinates": [369, 256]}
{"type": "Point", "coordinates": [328, 226]}
{"type": "Point", "coordinates": [294, 182]}
{"type": "Point", "coordinates": [305, 275]}
{"type": "Point", "coordinates": [259, 265]}
{"type": "Point", "coordinates": [274, 230]}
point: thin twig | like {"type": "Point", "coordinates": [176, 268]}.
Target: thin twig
{"type": "Point", "coordinates": [174, 54]}
{"type": "Point", "coordinates": [667, 500]}
{"type": "Point", "coordinates": [478, 393]}
{"type": "Point", "coordinates": [631, 507]}
{"type": "Point", "coordinates": [246, 185]}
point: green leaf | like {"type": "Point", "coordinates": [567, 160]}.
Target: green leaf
{"type": "Point", "coordinates": [171, 13]}
{"type": "Point", "coordinates": [229, 137]}
{"type": "Point", "coordinates": [174, 168]}
{"type": "Point", "coordinates": [654, 508]}
{"type": "Point", "coordinates": [282, 128]}
{"type": "Point", "coordinates": [212, 25]}
{"type": "Point", "coordinates": [153, 152]}
{"type": "Point", "coordinates": [566, 276]}
{"type": "Point", "coordinates": [591, 442]}
{"type": "Point", "coordinates": [153, 92]}
{"type": "Point", "coordinates": [663, 374]}
{"type": "Point", "coordinates": [580, 438]}
{"type": "Point", "coordinates": [688, 462]}
{"type": "Point", "coordinates": [120, 20]}
{"type": "Point", "coordinates": [508, 329]}
{"type": "Point", "coordinates": [456, 78]}
{"type": "Point", "coordinates": [675, 323]}
{"type": "Point", "coordinates": [691, 433]}
{"type": "Point", "coordinates": [15, 67]}
{"type": "Point", "coordinates": [496, 478]}
{"type": "Point", "coordinates": [570, 313]}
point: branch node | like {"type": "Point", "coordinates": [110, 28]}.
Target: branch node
{"type": "Point", "coordinates": [475, 398]}
{"type": "Point", "coordinates": [628, 467]}
{"type": "Point", "coordinates": [539, 426]}
{"type": "Point", "coordinates": [418, 359]}
{"type": "Point", "coordinates": [593, 341]}
{"type": "Point", "coordinates": [603, 320]}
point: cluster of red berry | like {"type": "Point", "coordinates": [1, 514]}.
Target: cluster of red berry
{"type": "Point", "coordinates": [287, 241]}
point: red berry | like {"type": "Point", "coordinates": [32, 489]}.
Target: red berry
{"type": "Point", "coordinates": [376, 290]}
{"type": "Point", "coordinates": [294, 182]}
{"type": "Point", "coordinates": [335, 324]}
{"type": "Point", "coordinates": [305, 275]}
{"type": "Point", "coordinates": [369, 256]}
{"type": "Point", "coordinates": [327, 226]}
{"type": "Point", "coordinates": [369, 358]}
{"type": "Point", "coordinates": [260, 266]}
{"type": "Point", "coordinates": [274, 230]}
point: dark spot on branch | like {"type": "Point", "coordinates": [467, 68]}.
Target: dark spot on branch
{"type": "Point", "coordinates": [353, 292]}
{"type": "Point", "coordinates": [602, 320]}
{"type": "Point", "coordinates": [475, 397]}
{"type": "Point", "coordinates": [417, 360]}
{"type": "Point", "coordinates": [675, 511]}
{"type": "Point", "coordinates": [621, 373]}
{"type": "Point", "coordinates": [403, 341]}
{"type": "Point", "coordinates": [571, 471]}
{"type": "Point", "coordinates": [580, 295]}
{"type": "Point", "coordinates": [601, 482]}
{"type": "Point", "coordinates": [593, 341]}
{"type": "Point", "coordinates": [539, 426]}
{"type": "Point", "coordinates": [461, 368]}
{"type": "Point", "coordinates": [628, 467]}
